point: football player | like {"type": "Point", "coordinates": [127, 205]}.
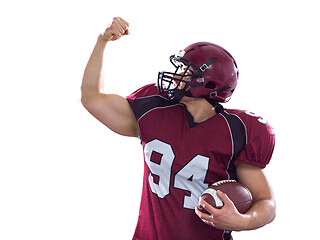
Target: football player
{"type": "Point", "coordinates": [189, 141]}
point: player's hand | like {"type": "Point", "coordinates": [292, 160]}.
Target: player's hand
{"type": "Point", "coordinates": [118, 28]}
{"type": "Point", "coordinates": [226, 218]}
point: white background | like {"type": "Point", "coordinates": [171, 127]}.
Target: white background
{"type": "Point", "coordinates": [63, 175]}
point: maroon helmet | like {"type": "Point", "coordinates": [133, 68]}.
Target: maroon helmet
{"type": "Point", "coordinates": [207, 70]}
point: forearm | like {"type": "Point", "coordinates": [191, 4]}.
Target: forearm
{"type": "Point", "coordinates": [261, 213]}
{"type": "Point", "coordinates": [92, 81]}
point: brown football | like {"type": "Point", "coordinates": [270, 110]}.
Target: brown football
{"type": "Point", "coordinates": [238, 194]}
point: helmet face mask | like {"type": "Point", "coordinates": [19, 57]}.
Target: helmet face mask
{"type": "Point", "coordinates": [201, 70]}
{"type": "Point", "coordinates": [184, 72]}
{"type": "Point", "coordinates": [178, 82]}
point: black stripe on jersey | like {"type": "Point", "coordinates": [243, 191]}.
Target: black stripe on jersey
{"type": "Point", "coordinates": [239, 139]}
{"type": "Point", "coordinates": [143, 105]}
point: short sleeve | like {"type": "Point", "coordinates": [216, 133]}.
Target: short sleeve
{"type": "Point", "coordinates": [149, 89]}
{"type": "Point", "coordinates": [260, 145]}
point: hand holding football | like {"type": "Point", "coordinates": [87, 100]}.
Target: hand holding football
{"type": "Point", "coordinates": [238, 194]}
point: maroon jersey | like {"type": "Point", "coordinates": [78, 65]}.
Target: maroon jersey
{"type": "Point", "coordinates": [182, 158]}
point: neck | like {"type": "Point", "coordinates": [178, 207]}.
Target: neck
{"type": "Point", "coordinates": [199, 108]}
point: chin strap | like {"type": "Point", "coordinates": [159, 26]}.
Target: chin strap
{"type": "Point", "coordinates": [177, 94]}
{"type": "Point", "coordinates": [215, 93]}
{"type": "Point", "coordinates": [206, 65]}
{"type": "Point", "coordinates": [217, 106]}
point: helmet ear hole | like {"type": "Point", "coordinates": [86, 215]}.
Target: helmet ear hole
{"type": "Point", "coordinates": [210, 85]}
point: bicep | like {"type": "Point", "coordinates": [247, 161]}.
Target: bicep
{"type": "Point", "coordinates": [256, 181]}
{"type": "Point", "coordinates": [115, 112]}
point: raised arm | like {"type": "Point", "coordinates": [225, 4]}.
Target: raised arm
{"type": "Point", "coordinates": [112, 110]}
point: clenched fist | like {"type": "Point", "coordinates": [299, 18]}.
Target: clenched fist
{"type": "Point", "coordinates": [118, 28]}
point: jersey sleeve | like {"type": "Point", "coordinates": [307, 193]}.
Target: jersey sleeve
{"type": "Point", "coordinates": [144, 91]}
{"type": "Point", "coordinates": [260, 143]}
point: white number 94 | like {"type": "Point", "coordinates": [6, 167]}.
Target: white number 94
{"type": "Point", "coordinates": [190, 177]}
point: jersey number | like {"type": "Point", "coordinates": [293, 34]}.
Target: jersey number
{"type": "Point", "coordinates": [260, 119]}
{"type": "Point", "coordinates": [159, 157]}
